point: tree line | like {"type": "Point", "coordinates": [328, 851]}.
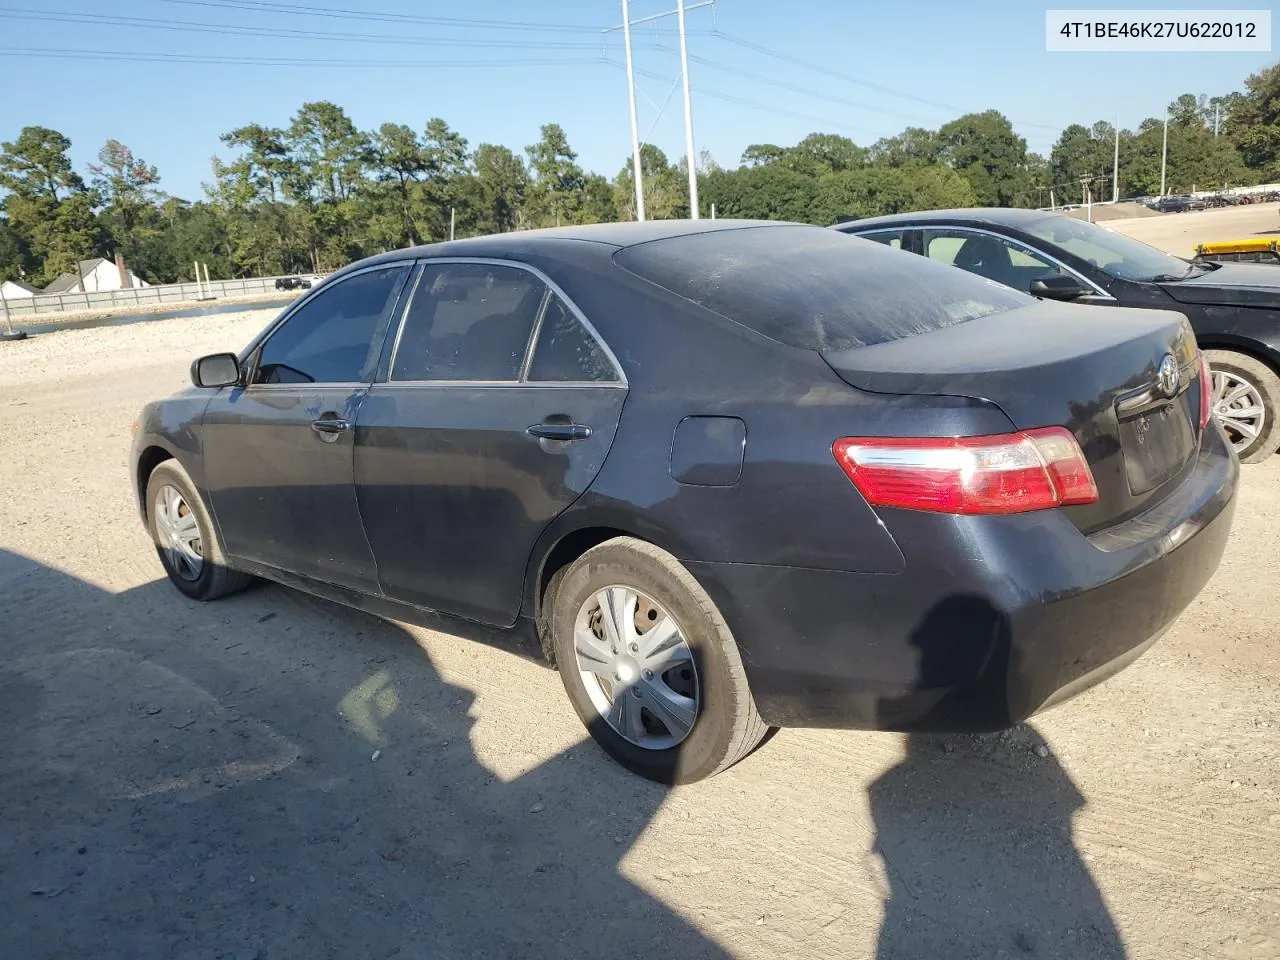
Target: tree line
{"type": "Point", "coordinates": [320, 192]}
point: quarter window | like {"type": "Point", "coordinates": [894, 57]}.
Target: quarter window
{"type": "Point", "coordinates": [468, 321]}
{"type": "Point", "coordinates": [566, 350]}
{"type": "Point", "coordinates": [334, 336]}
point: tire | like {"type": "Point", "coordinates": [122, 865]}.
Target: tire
{"type": "Point", "coordinates": [214, 578]}
{"type": "Point", "coordinates": [1266, 384]}
{"type": "Point", "coordinates": [725, 725]}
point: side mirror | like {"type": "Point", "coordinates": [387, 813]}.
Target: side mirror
{"type": "Point", "coordinates": [1056, 286]}
{"type": "Point", "coordinates": [216, 370]}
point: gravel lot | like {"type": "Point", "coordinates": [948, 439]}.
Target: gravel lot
{"type": "Point", "coordinates": [181, 780]}
{"type": "Point", "coordinates": [1178, 233]}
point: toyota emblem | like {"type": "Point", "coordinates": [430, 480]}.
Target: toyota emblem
{"type": "Point", "coordinates": [1168, 377]}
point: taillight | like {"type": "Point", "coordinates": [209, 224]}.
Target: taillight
{"type": "Point", "coordinates": [1206, 392]}
{"type": "Point", "coordinates": [1009, 473]}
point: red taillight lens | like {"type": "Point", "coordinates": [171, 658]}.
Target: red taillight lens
{"type": "Point", "coordinates": [1009, 473]}
{"type": "Point", "coordinates": [1206, 393]}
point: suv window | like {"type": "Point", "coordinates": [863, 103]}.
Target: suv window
{"type": "Point", "coordinates": [468, 321]}
{"type": "Point", "coordinates": [566, 350]}
{"type": "Point", "coordinates": [814, 288]}
{"type": "Point", "coordinates": [989, 256]}
{"type": "Point", "coordinates": [334, 336]}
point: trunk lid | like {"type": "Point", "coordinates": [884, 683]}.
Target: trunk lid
{"type": "Point", "coordinates": [1094, 370]}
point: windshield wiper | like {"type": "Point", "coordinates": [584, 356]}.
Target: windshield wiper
{"type": "Point", "coordinates": [1167, 278]}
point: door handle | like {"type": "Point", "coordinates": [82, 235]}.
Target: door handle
{"type": "Point", "coordinates": [328, 428]}
{"type": "Point", "coordinates": [559, 431]}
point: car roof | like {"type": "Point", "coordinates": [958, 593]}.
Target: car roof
{"type": "Point", "coordinates": [611, 236]}
{"type": "Point", "coordinates": [997, 216]}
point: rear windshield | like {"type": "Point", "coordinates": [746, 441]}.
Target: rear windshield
{"type": "Point", "coordinates": [814, 288]}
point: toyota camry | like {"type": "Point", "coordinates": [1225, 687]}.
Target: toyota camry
{"type": "Point", "coordinates": [739, 475]}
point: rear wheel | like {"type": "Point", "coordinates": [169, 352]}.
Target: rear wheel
{"type": "Point", "coordinates": [1246, 401]}
{"type": "Point", "coordinates": [185, 539]}
{"type": "Point", "coordinates": [650, 665]}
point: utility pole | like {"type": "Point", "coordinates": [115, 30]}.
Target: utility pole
{"type": "Point", "coordinates": [1217, 109]}
{"type": "Point", "coordinates": [453, 221]}
{"type": "Point", "coordinates": [1115, 168]}
{"type": "Point", "coordinates": [1164, 150]}
{"type": "Point", "coordinates": [626, 26]}
{"type": "Point", "coordinates": [688, 115]}
{"type": "Point", "coordinates": [1086, 196]}
{"type": "Point", "coordinates": [631, 102]}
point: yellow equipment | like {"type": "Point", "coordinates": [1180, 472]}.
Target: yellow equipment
{"type": "Point", "coordinates": [1245, 251]}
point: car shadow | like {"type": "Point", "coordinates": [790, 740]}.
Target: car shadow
{"type": "Point", "coordinates": [975, 831]}
{"type": "Point", "coordinates": [278, 776]}
{"type": "Point", "coordinates": [199, 780]}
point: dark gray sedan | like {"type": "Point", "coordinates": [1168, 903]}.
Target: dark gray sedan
{"type": "Point", "coordinates": [738, 474]}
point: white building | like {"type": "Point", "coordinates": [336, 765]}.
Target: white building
{"type": "Point", "coordinates": [97, 274]}
{"type": "Point", "coordinates": [17, 290]}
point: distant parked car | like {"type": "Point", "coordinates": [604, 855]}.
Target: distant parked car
{"type": "Point", "coordinates": [293, 283]}
{"type": "Point", "coordinates": [1233, 307]}
{"type": "Point", "coordinates": [1177, 203]}
{"type": "Point", "coordinates": [739, 474]}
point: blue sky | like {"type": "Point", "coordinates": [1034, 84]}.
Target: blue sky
{"type": "Point", "coordinates": [919, 63]}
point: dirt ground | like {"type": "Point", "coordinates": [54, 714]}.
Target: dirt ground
{"type": "Point", "coordinates": [1178, 233]}
{"type": "Point", "coordinates": [181, 780]}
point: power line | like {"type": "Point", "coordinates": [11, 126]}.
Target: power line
{"type": "Point", "coordinates": [189, 26]}
{"type": "Point", "coordinates": [741, 101]}
{"type": "Point", "coordinates": [245, 61]}
{"type": "Point", "coordinates": [795, 88]}
{"type": "Point", "coordinates": [858, 81]}
{"type": "Point", "coordinates": [341, 13]}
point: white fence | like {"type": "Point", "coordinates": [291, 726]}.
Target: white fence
{"type": "Point", "coordinates": [47, 303]}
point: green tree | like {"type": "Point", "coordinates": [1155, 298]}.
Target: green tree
{"type": "Point", "coordinates": [14, 256]}
{"type": "Point", "coordinates": [761, 154]}
{"type": "Point", "coordinates": [914, 144]}
{"type": "Point", "coordinates": [37, 165]}
{"type": "Point", "coordinates": [820, 153]}
{"type": "Point", "coordinates": [558, 181]}
{"type": "Point", "coordinates": [1253, 123]}
{"type": "Point", "coordinates": [769, 192]}
{"type": "Point", "coordinates": [48, 205]}
{"type": "Point", "coordinates": [666, 196]}
{"type": "Point", "coordinates": [985, 150]}
{"type": "Point", "coordinates": [127, 187]}
{"type": "Point", "coordinates": [500, 189]}
{"type": "Point", "coordinates": [399, 159]}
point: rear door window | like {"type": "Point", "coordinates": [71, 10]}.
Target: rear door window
{"type": "Point", "coordinates": [468, 321]}
{"type": "Point", "coordinates": [814, 288]}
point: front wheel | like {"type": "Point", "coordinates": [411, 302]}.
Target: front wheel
{"type": "Point", "coordinates": [1246, 402]}
{"type": "Point", "coordinates": [185, 538]}
{"type": "Point", "coordinates": [650, 665]}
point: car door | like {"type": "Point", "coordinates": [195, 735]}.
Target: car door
{"type": "Point", "coordinates": [494, 411]}
{"type": "Point", "coordinates": [278, 453]}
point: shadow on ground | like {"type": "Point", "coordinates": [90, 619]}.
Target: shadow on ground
{"type": "Point", "coordinates": [183, 780]}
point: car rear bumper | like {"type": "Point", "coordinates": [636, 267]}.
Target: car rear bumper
{"type": "Point", "coordinates": [994, 619]}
